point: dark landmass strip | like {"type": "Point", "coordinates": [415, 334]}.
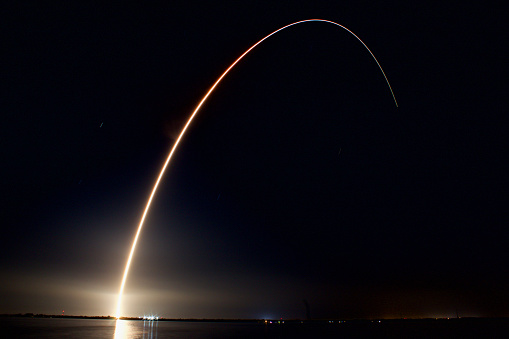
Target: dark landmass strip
{"type": "Point", "coordinates": [35, 315]}
{"type": "Point", "coordinates": [278, 321]}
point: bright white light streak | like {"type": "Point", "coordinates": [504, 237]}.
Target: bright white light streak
{"type": "Point", "coordinates": [128, 264]}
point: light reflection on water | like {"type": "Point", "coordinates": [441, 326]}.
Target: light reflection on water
{"type": "Point", "coordinates": [135, 329]}
{"type": "Point", "coordinates": [51, 328]}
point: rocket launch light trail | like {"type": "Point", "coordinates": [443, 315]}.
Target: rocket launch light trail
{"type": "Point", "coordinates": [200, 104]}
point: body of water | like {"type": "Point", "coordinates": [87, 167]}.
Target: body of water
{"type": "Point", "coordinates": [95, 328]}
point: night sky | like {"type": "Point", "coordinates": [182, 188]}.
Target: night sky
{"type": "Point", "coordinates": [299, 179]}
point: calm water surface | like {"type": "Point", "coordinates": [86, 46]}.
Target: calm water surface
{"type": "Point", "coordinates": [92, 328]}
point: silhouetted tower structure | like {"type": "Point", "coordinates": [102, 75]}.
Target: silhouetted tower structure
{"type": "Point", "coordinates": [308, 310]}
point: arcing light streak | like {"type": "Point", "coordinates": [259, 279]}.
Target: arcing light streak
{"type": "Point", "coordinates": [191, 119]}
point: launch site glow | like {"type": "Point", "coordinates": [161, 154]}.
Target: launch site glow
{"type": "Point", "coordinates": [161, 173]}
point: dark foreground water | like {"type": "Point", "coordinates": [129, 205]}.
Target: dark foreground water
{"type": "Point", "coordinates": [91, 328]}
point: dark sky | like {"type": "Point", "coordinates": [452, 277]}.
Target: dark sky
{"type": "Point", "coordinates": [299, 180]}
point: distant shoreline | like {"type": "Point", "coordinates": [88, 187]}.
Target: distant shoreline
{"type": "Point", "coordinates": [265, 321]}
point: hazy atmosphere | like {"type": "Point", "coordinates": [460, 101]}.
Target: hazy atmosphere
{"type": "Point", "coordinates": [299, 181]}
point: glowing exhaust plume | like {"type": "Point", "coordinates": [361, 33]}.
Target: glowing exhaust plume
{"type": "Point", "coordinates": [191, 119]}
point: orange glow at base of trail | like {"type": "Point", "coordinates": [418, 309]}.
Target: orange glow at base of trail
{"type": "Point", "coordinates": [135, 241]}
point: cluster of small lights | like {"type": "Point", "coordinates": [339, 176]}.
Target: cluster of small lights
{"type": "Point", "coordinates": [150, 317]}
